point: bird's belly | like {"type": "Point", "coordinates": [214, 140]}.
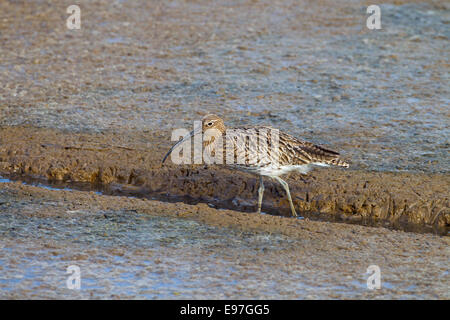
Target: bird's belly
{"type": "Point", "coordinates": [271, 171]}
{"type": "Point", "coordinates": [281, 170]}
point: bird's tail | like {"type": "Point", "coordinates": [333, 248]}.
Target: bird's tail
{"type": "Point", "coordinates": [323, 156]}
{"type": "Point", "coordinates": [338, 162]}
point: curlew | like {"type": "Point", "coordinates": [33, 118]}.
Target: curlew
{"type": "Point", "coordinates": [261, 150]}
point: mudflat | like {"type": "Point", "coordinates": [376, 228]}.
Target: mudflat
{"type": "Point", "coordinates": [93, 111]}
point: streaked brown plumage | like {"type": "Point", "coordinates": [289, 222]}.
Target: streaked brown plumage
{"type": "Point", "coordinates": [275, 153]}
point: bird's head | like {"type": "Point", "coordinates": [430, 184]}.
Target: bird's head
{"type": "Point", "coordinates": [210, 121]}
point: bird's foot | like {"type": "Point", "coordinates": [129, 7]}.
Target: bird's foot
{"type": "Point", "coordinates": [294, 214]}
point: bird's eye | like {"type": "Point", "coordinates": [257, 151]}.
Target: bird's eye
{"type": "Point", "coordinates": [209, 124]}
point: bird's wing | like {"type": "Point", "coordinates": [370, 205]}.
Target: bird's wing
{"type": "Point", "coordinates": [304, 152]}
{"type": "Point", "coordinates": [291, 151]}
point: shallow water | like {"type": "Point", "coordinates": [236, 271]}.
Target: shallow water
{"type": "Point", "coordinates": [131, 255]}
{"type": "Point", "coordinates": [127, 255]}
{"type": "Point", "coordinates": [123, 252]}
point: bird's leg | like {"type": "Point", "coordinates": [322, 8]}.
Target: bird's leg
{"type": "Point", "coordinates": [286, 187]}
{"type": "Point", "coordinates": [260, 193]}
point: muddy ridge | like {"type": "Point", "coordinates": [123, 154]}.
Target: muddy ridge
{"type": "Point", "coordinates": [131, 165]}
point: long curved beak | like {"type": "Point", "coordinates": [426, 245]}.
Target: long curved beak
{"type": "Point", "coordinates": [188, 136]}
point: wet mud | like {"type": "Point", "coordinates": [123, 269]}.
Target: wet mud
{"type": "Point", "coordinates": [126, 165]}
